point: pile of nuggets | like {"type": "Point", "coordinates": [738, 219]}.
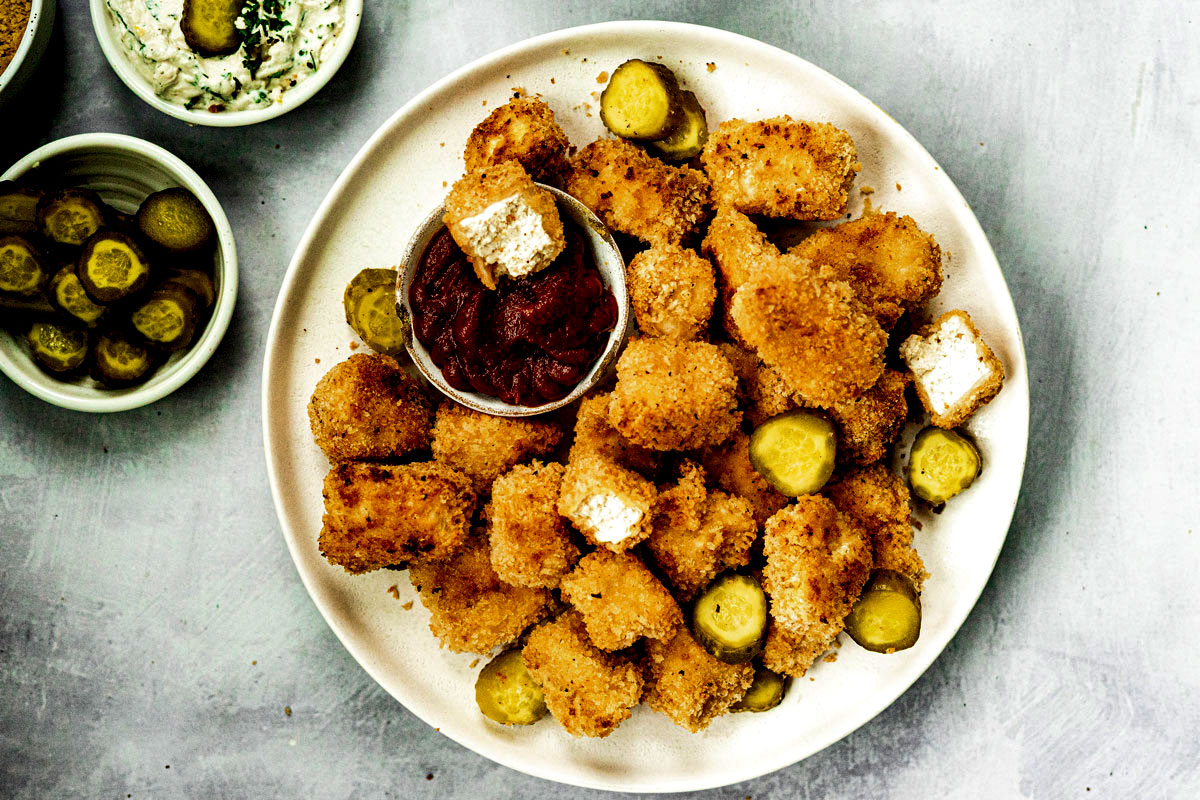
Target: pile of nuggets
{"type": "Point", "coordinates": [581, 536]}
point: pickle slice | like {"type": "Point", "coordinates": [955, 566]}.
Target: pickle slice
{"type": "Point", "coordinates": [18, 209]}
{"type": "Point", "coordinates": [765, 693]}
{"type": "Point", "coordinates": [176, 220]}
{"type": "Point", "coordinates": [942, 464]}
{"type": "Point", "coordinates": [198, 282]}
{"type": "Point", "coordinates": [729, 619]}
{"type": "Point", "coordinates": [167, 318]}
{"type": "Point", "coordinates": [22, 269]}
{"type": "Point", "coordinates": [117, 361]}
{"type": "Point", "coordinates": [887, 615]}
{"type": "Point", "coordinates": [68, 297]}
{"type": "Point", "coordinates": [689, 136]}
{"type": "Point", "coordinates": [210, 26]}
{"type": "Point", "coordinates": [112, 267]}
{"type": "Point", "coordinates": [641, 101]}
{"type": "Point", "coordinates": [58, 349]}
{"type": "Point", "coordinates": [506, 693]}
{"type": "Point", "coordinates": [370, 303]}
{"type": "Point", "coordinates": [795, 451]}
{"type": "Point", "coordinates": [69, 217]}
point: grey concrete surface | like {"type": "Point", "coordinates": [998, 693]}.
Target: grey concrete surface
{"type": "Point", "coordinates": [153, 629]}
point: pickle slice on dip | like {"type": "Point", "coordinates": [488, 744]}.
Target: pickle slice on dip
{"type": "Point", "coordinates": [210, 26]}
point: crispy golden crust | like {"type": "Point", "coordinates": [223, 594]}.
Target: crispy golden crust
{"type": "Point", "coordinates": [762, 391]}
{"type": "Point", "coordinates": [530, 542]}
{"type": "Point", "coordinates": [781, 168]}
{"type": "Point", "coordinates": [877, 499]}
{"type": "Point", "coordinates": [471, 609]}
{"type": "Point", "coordinates": [592, 479]}
{"type": "Point", "coordinates": [378, 516]}
{"type": "Point", "coordinates": [590, 692]}
{"type": "Point", "coordinates": [868, 424]}
{"type": "Point", "coordinates": [367, 408]}
{"type": "Point", "coordinates": [812, 329]}
{"type": "Point", "coordinates": [689, 685]}
{"type": "Point", "coordinates": [620, 600]}
{"type": "Point", "coordinates": [674, 395]}
{"type": "Point", "coordinates": [637, 194]}
{"type": "Point", "coordinates": [483, 447]}
{"type": "Point", "coordinates": [981, 393]}
{"type": "Point", "coordinates": [595, 434]}
{"type": "Point", "coordinates": [736, 246]}
{"type": "Point", "coordinates": [672, 291]}
{"type": "Point", "coordinates": [791, 653]}
{"type": "Point", "coordinates": [729, 465]}
{"type": "Point", "coordinates": [892, 264]}
{"type": "Point", "coordinates": [524, 130]}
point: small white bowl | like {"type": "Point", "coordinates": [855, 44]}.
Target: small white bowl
{"type": "Point", "coordinates": [115, 51]}
{"type": "Point", "coordinates": [29, 52]}
{"type": "Point", "coordinates": [609, 262]}
{"type": "Point", "coordinates": [123, 170]}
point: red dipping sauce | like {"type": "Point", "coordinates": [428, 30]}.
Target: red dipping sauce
{"type": "Point", "coordinates": [529, 341]}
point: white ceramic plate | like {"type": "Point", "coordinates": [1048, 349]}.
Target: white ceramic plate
{"type": "Point", "coordinates": [366, 220]}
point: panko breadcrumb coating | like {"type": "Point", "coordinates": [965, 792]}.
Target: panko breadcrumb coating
{"type": "Point", "coordinates": [672, 291]}
{"type": "Point", "coordinates": [590, 692]}
{"type": "Point", "coordinates": [868, 424]}
{"type": "Point", "coordinates": [892, 264]}
{"type": "Point", "coordinates": [674, 395]}
{"type": "Point", "coordinates": [637, 194]}
{"type": "Point", "coordinates": [954, 371]}
{"type": "Point", "coordinates": [736, 246]}
{"type": "Point", "coordinates": [523, 130]}
{"type": "Point", "coordinates": [471, 609]}
{"type": "Point", "coordinates": [595, 434]}
{"type": "Point", "coordinates": [791, 654]}
{"type": "Point", "coordinates": [729, 465]}
{"type": "Point", "coordinates": [610, 505]}
{"type": "Point", "coordinates": [762, 391]}
{"type": "Point", "coordinates": [781, 167]}
{"type": "Point", "coordinates": [620, 600]}
{"type": "Point", "coordinates": [483, 447]}
{"type": "Point", "coordinates": [877, 499]}
{"type": "Point", "coordinates": [367, 408]}
{"type": "Point", "coordinates": [689, 685]}
{"type": "Point", "coordinates": [530, 542]}
{"type": "Point", "coordinates": [379, 516]}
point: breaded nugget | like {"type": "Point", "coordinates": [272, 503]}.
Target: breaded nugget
{"type": "Point", "coordinates": [379, 516]}
{"type": "Point", "coordinates": [530, 542]}
{"type": "Point", "coordinates": [367, 408]}
{"type": "Point", "coordinates": [672, 291]}
{"type": "Point", "coordinates": [868, 424]}
{"type": "Point", "coordinates": [524, 130]}
{"type": "Point", "coordinates": [610, 505]}
{"type": "Point", "coordinates": [595, 434]}
{"type": "Point", "coordinates": [780, 167]}
{"type": "Point", "coordinates": [620, 600]}
{"type": "Point", "coordinates": [590, 692]}
{"type": "Point", "coordinates": [791, 654]}
{"type": "Point", "coordinates": [674, 395]}
{"type": "Point", "coordinates": [471, 609]}
{"type": "Point", "coordinates": [892, 264]}
{"type": "Point", "coordinates": [689, 685]}
{"type": "Point", "coordinates": [637, 194]}
{"type": "Point", "coordinates": [729, 465]}
{"type": "Point", "coordinates": [954, 370]}
{"type": "Point", "coordinates": [483, 447]}
{"type": "Point", "coordinates": [812, 329]}
{"type": "Point", "coordinates": [762, 391]}
{"type": "Point", "coordinates": [736, 246]}
{"type": "Point", "coordinates": [877, 499]}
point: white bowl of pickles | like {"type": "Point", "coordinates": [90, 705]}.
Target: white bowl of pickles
{"type": "Point", "coordinates": [118, 272]}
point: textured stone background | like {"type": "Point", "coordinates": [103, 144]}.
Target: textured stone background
{"type": "Point", "coordinates": [152, 627]}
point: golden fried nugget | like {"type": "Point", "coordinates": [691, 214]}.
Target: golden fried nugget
{"type": "Point", "coordinates": [483, 447]}
{"type": "Point", "coordinates": [868, 424]}
{"type": "Point", "coordinates": [892, 264]}
{"type": "Point", "coordinates": [471, 609]}
{"type": "Point", "coordinates": [672, 291]}
{"type": "Point", "coordinates": [729, 465]}
{"type": "Point", "coordinates": [674, 395]}
{"type": "Point", "coordinates": [531, 545]}
{"type": "Point", "coordinates": [791, 653]}
{"type": "Point", "coordinates": [781, 167]}
{"type": "Point", "coordinates": [954, 370]}
{"type": "Point", "coordinates": [523, 130]}
{"type": "Point", "coordinates": [762, 391]}
{"type": "Point", "coordinates": [590, 692]}
{"type": "Point", "coordinates": [635, 193]}
{"type": "Point", "coordinates": [595, 434]}
{"type": "Point", "coordinates": [367, 408]}
{"type": "Point", "coordinates": [877, 499]}
{"type": "Point", "coordinates": [610, 505]}
{"type": "Point", "coordinates": [689, 685]}
{"type": "Point", "coordinates": [736, 246]}
{"type": "Point", "coordinates": [379, 516]}
{"type": "Point", "coordinates": [620, 600]}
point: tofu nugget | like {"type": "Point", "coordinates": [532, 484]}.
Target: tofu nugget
{"type": "Point", "coordinates": [689, 685]}
{"type": "Point", "coordinates": [791, 654]}
{"type": "Point", "coordinates": [780, 167]}
{"type": "Point", "coordinates": [620, 600]}
{"type": "Point", "coordinates": [674, 395]}
{"type": "Point", "coordinates": [590, 692]}
{"type": "Point", "coordinates": [954, 370]}
{"type": "Point", "coordinates": [367, 408]}
{"type": "Point", "coordinates": [531, 545]}
{"type": "Point", "coordinates": [672, 291]}
{"type": "Point", "coordinates": [595, 434]}
{"type": "Point", "coordinates": [609, 504]}
{"type": "Point", "coordinates": [868, 424]}
{"type": "Point", "coordinates": [483, 447]}
{"type": "Point", "coordinates": [379, 516]}
{"type": "Point", "coordinates": [523, 130]}
{"type": "Point", "coordinates": [471, 609]}
{"type": "Point", "coordinates": [762, 391]}
{"type": "Point", "coordinates": [637, 194]}
{"type": "Point", "coordinates": [877, 499]}
{"type": "Point", "coordinates": [736, 246]}
{"type": "Point", "coordinates": [729, 465]}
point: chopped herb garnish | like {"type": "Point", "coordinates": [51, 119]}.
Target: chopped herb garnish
{"type": "Point", "coordinates": [261, 23]}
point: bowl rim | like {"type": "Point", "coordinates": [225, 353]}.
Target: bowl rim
{"type": "Point", "coordinates": [37, 17]}
{"type": "Point", "coordinates": [289, 100]}
{"type": "Point", "coordinates": [494, 406]}
{"type": "Point", "coordinates": [46, 387]}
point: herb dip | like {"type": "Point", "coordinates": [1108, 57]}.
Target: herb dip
{"type": "Point", "coordinates": [283, 42]}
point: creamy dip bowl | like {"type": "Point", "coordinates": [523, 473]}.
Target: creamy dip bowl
{"type": "Point", "coordinates": [303, 43]}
